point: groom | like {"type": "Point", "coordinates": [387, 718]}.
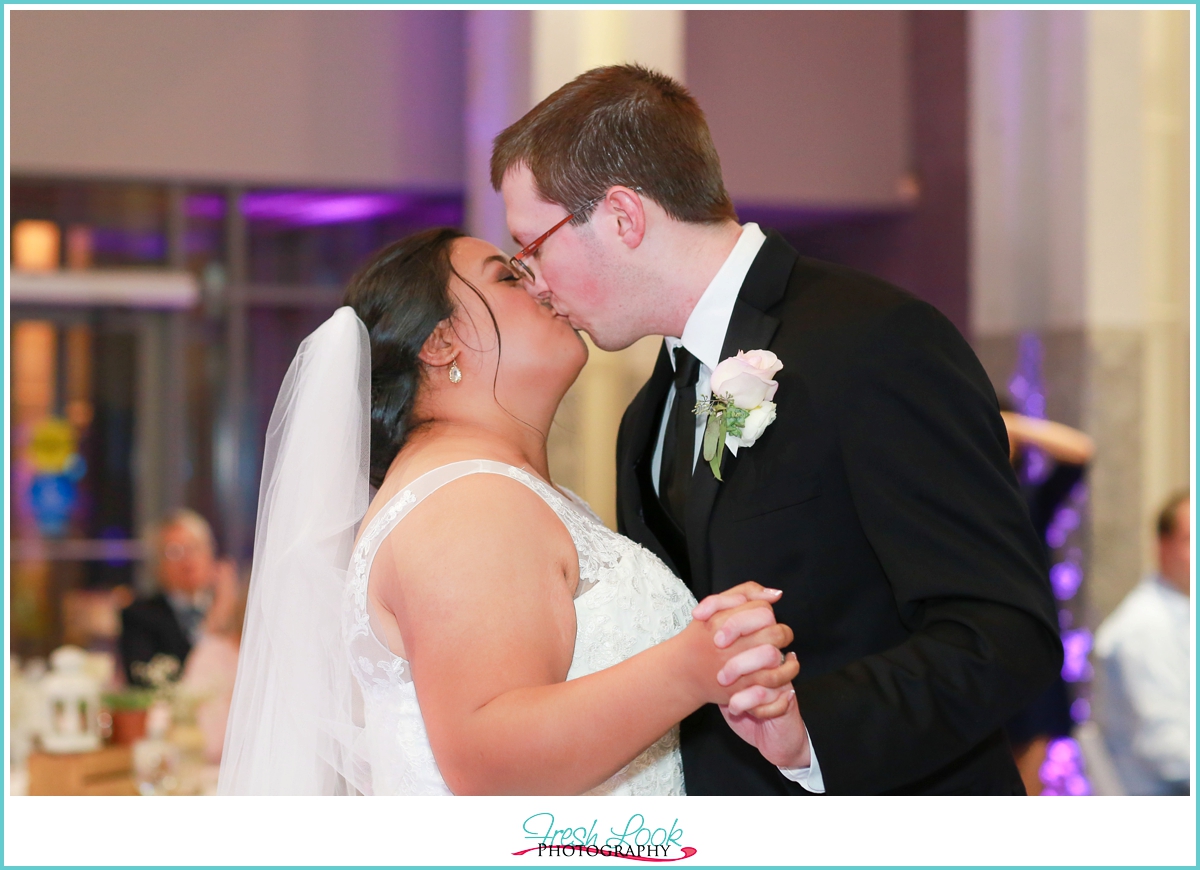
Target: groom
{"type": "Point", "coordinates": [880, 500]}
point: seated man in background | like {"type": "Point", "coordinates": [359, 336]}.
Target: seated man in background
{"type": "Point", "coordinates": [188, 574]}
{"type": "Point", "coordinates": [1143, 702]}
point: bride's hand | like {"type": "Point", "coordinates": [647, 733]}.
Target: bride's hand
{"type": "Point", "coordinates": [738, 648]}
{"type": "Point", "coordinates": [759, 700]}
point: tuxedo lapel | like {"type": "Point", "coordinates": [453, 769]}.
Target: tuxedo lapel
{"type": "Point", "coordinates": [639, 501]}
{"type": "Point", "coordinates": [750, 328]}
{"type": "Point", "coordinates": [645, 427]}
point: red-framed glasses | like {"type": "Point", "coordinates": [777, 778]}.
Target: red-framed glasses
{"type": "Point", "coordinates": [517, 261]}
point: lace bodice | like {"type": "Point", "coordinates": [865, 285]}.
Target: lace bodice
{"type": "Point", "coordinates": [627, 600]}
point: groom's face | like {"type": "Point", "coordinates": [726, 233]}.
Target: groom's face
{"type": "Point", "coordinates": [569, 267]}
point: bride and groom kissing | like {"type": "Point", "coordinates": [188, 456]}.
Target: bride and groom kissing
{"type": "Point", "coordinates": [429, 614]}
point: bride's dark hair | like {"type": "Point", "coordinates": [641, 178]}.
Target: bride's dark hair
{"type": "Point", "coordinates": [401, 295]}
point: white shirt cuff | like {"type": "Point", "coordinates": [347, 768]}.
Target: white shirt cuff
{"type": "Point", "coordinates": [808, 778]}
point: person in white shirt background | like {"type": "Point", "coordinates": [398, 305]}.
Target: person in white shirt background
{"type": "Point", "coordinates": [1143, 653]}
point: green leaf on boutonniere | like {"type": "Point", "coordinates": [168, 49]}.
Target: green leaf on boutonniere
{"type": "Point", "coordinates": [712, 434]}
{"type": "Point", "coordinates": [715, 465]}
{"type": "Point", "coordinates": [714, 439]}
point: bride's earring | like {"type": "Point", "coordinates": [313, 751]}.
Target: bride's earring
{"type": "Point", "coordinates": [455, 372]}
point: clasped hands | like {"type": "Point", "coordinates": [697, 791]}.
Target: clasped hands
{"type": "Point", "coordinates": [759, 703]}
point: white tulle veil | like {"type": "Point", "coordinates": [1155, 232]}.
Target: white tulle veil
{"type": "Point", "coordinates": [294, 725]}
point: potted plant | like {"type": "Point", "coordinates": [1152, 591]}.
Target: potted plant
{"type": "Point", "coordinates": [131, 706]}
{"type": "Point", "coordinates": [128, 711]}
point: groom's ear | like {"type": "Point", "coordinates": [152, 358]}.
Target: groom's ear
{"type": "Point", "coordinates": [442, 347]}
{"type": "Point", "coordinates": [630, 213]}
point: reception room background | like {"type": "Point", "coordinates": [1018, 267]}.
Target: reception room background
{"type": "Point", "coordinates": [189, 191]}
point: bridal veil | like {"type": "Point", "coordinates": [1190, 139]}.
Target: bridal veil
{"type": "Point", "coordinates": [295, 722]}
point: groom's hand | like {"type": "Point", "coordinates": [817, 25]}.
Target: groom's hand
{"type": "Point", "coordinates": [782, 740]}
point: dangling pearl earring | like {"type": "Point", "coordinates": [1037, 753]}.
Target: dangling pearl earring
{"type": "Point", "coordinates": [455, 372]}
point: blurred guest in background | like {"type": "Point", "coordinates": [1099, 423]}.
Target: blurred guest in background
{"type": "Point", "coordinates": [188, 574]}
{"type": "Point", "coordinates": [212, 666]}
{"type": "Point", "coordinates": [1143, 698]}
{"type": "Point", "coordinates": [1069, 451]}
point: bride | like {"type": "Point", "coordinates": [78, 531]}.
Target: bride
{"type": "Point", "coordinates": [473, 629]}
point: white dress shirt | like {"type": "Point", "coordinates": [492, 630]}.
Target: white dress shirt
{"type": "Point", "coordinates": [703, 337]}
{"type": "Point", "coordinates": [1143, 698]}
{"type": "Point", "coordinates": [190, 611]}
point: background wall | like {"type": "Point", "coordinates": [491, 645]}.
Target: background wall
{"type": "Point", "coordinates": [297, 97]}
{"type": "Point", "coordinates": [809, 109]}
{"type": "Point", "coordinates": [920, 240]}
{"type": "Point", "coordinates": [1081, 231]}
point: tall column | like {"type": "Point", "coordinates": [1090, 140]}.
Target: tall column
{"type": "Point", "coordinates": [175, 422]}
{"type": "Point", "coordinates": [498, 93]}
{"type": "Point", "coordinates": [569, 42]}
{"type": "Point", "coordinates": [514, 60]}
{"type": "Point", "coordinates": [1080, 225]}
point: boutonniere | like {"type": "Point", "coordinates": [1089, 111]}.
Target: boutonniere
{"type": "Point", "coordinates": [740, 406]}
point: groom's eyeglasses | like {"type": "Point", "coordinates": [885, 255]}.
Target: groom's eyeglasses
{"type": "Point", "coordinates": [517, 262]}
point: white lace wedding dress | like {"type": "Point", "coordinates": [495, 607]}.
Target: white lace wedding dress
{"type": "Point", "coordinates": [627, 600]}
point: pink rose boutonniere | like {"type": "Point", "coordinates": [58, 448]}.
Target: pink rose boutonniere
{"type": "Point", "coordinates": [740, 407]}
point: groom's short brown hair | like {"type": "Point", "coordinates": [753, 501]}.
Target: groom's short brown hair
{"type": "Point", "coordinates": [619, 125]}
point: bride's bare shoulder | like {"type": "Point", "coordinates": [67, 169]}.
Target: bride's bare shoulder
{"type": "Point", "coordinates": [490, 499]}
{"type": "Point", "coordinates": [505, 521]}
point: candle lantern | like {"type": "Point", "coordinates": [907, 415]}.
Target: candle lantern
{"type": "Point", "coordinates": [72, 703]}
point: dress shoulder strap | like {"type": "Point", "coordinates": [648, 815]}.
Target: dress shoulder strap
{"type": "Point", "coordinates": [369, 652]}
{"type": "Point", "coordinates": [371, 658]}
{"type": "Point", "coordinates": [426, 485]}
{"type": "Point", "coordinates": [399, 506]}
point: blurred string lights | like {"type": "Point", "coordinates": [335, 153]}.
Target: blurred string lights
{"type": "Point", "coordinates": [1063, 771]}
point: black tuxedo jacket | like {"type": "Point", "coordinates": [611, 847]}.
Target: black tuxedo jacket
{"type": "Point", "coordinates": [881, 501]}
{"type": "Point", "coordinates": [149, 627]}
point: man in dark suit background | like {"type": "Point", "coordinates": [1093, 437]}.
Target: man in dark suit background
{"type": "Point", "coordinates": [880, 500]}
{"type": "Point", "coordinates": [169, 622]}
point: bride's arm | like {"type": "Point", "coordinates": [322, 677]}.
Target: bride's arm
{"type": "Point", "coordinates": [482, 593]}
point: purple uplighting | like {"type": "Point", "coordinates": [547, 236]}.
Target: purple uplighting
{"type": "Point", "coordinates": [1030, 399]}
{"type": "Point", "coordinates": [323, 207]}
{"type": "Point", "coordinates": [1076, 646]}
{"type": "Point", "coordinates": [1080, 710]}
{"type": "Point", "coordinates": [1026, 384]}
{"type": "Point", "coordinates": [1065, 521]}
{"type": "Point", "coordinates": [311, 208]}
{"type": "Point", "coordinates": [205, 205]}
{"type": "Point", "coordinates": [1037, 466]}
{"type": "Point", "coordinates": [1062, 771]}
{"type": "Point", "coordinates": [1065, 579]}
{"type": "Point", "coordinates": [146, 245]}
